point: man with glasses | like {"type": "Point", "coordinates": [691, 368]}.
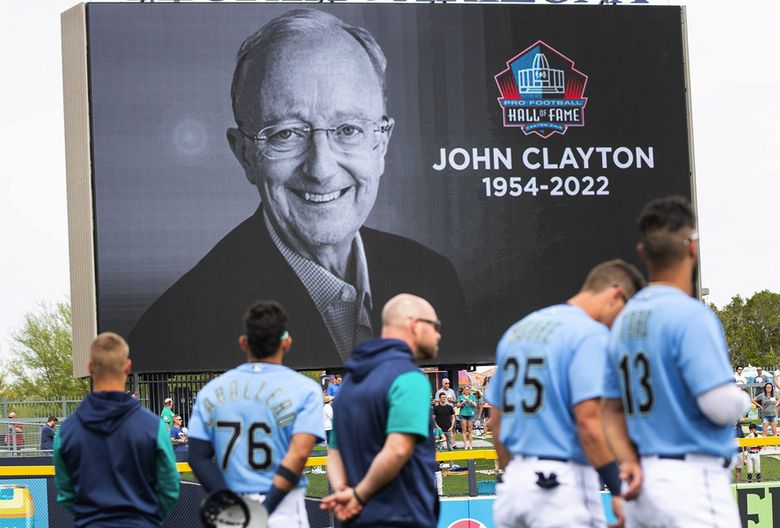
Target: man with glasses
{"type": "Point", "coordinates": [670, 396]}
{"type": "Point", "coordinates": [448, 392]}
{"type": "Point", "coordinates": [312, 131]}
{"type": "Point", "coordinates": [382, 460]}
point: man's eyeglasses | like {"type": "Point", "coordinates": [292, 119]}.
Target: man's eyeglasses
{"type": "Point", "coordinates": [436, 324]}
{"type": "Point", "coordinates": [294, 138]}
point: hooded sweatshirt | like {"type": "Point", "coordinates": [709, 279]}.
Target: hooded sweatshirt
{"type": "Point", "coordinates": [384, 392]}
{"type": "Point", "coordinates": [114, 463]}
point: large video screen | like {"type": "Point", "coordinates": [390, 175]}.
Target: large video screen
{"type": "Point", "coordinates": [330, 157]}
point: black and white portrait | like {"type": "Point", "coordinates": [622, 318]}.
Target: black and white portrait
{"type": "Point", "coordinates": [331, 156]}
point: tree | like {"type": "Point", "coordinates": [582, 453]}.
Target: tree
{"type": "Point", "coordinates": [752, 329]}
{"type": "Point", "coordinates": [42, 364]}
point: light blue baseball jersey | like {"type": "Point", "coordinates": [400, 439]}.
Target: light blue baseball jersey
{"type": "Point", "coordinates": [547, 363]}
{"type": "Point", "coordinates": [665, 350]}
{"type": "Point", "coordinates": [249, 414]}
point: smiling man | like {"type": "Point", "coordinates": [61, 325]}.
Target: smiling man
{"type": "Point", "coordinates": [311, 134]}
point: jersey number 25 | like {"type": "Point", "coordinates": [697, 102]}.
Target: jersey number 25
{"type": "Point", "coordinates": [532, 384]}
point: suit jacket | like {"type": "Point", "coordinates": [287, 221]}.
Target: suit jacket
{"type": "Point", "coordinates": [195, 324]}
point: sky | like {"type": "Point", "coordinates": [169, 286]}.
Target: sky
{"type": "Point", "coordinates": [732, 52]}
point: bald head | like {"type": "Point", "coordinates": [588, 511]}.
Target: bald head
{"type": "Point", "coordinates": [412, 319]}
{"type": "Point", "coordinates": [403, 307]}
{"type": "Point", "coordinates": [295, 31]}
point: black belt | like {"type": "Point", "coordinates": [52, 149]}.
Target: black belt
{"type": "Point", "coordinates": [554, 459]}
{"type": "Point", "coordinates": [726, 461]}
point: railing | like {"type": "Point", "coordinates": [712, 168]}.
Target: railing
{"type": "Point", "coordinates": [39, 409]}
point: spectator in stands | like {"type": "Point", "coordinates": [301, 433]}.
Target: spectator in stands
{"type": "Point", "coordinates": [486, 416]}
{"type": "Point", "coordinates": [441, 445]}
{"type": "Point", "coordinates": [467, 404]}
{"type": "Point", "coordinates": [114, 463]}
{"type": "Point", "coordinates": [738, 377]}
{"type": "Point", "coordinates": [754, 455]}
{"type": "Point", "coordinates": [480, 404]}
{"type": "Point", "coordinates": [327, 413]}
{"type": "Point", "coordinates": [335, 387]}
{"type": "Point", "coordinates": [448, 392]}
{"type": "Point", "coordinates": [178, 437]}
{"type": "Point", "coordinates": [444, 416]}
{"type": "Point", "coordinates": [768, 404]}
{"type": "Point", "coordinates": [47, 434]}
{"type": "Point", "coordinates": [14, 438]}
{"type": "Point", "coordinates": [167, 413]}
{"type": "Point", "coordinates": [741, 456]}
{"type": "Point", "coordinates": [761, 376]}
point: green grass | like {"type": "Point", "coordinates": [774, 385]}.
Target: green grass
{"type": "Point", "coordinates": [770, 470]}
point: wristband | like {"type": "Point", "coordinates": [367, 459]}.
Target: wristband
{"type": "Point", "coordinates": [610, 475]}
{"type": "Point", "coordinates": [273, 498]}
{"type": "Point", "coordinates": [358, 497]}
{"type": "Point", "coordinates": [288, 474]}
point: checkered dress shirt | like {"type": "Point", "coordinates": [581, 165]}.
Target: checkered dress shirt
{"type": "Point", "coordinates": [344, 307]}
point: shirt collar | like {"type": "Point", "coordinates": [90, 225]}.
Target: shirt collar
{"type": "Point", "coordinates": [324, 287]}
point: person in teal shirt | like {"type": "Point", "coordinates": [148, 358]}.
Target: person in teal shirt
{"type": "Point", "coordinates": [167, 413]}
{"type": "Point", "coordinates": [467, 404]}
{"type": "Point", "coordinates": [440, 439]}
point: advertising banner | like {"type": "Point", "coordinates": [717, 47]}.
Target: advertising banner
{"type": "Point", "coordinates": [24, 503]}
{"type": "Point", "coordinates": [482, 156]}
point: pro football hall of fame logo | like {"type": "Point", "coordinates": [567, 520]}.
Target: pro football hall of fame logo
{"type": "Point", "coordinates": [542, 92]}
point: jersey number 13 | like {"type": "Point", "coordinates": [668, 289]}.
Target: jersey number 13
{"type": "Point", "coordinates": [640, 365]}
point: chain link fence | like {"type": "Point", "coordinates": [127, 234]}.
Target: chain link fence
{"type": "Point", "coordinates": [757, 461]}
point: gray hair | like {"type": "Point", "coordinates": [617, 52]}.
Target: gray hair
{"type": "Point", "coordinates": [294, 23]}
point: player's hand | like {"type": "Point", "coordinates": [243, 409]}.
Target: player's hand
{"type": "Point", "coordinates": [631, 474]}
{"type": "Point", "coordinates": [343, 504]}
{"type": "Point", "coordinates": [617, 509]}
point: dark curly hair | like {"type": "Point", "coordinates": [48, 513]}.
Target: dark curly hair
{"type": "Point", "coordinates": [265, 323]}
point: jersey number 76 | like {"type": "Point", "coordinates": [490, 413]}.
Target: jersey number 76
{"type": "Point", "coordinates": [252, 445]}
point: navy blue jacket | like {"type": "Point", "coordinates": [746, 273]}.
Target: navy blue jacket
{"type": "Point", "coordinates": [114, 463]}
{"type": "Point", "coordinates": [360, 419]}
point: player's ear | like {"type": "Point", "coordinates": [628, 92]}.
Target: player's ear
{"type": "Point", "coordinates": [640, 249]}
{"type": "Point", "coordinates": [287, 343]}
{"type": "Point", "coordinates": [243, 342]}
{"type": "Point", "coordinates": [693, 248]}
{"type": "Point", "coordinates": [244, 150]}
{"type": "Point", "coordinates": [90, 369]}
{"type": "Point", "coordinates": [128, 366]}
